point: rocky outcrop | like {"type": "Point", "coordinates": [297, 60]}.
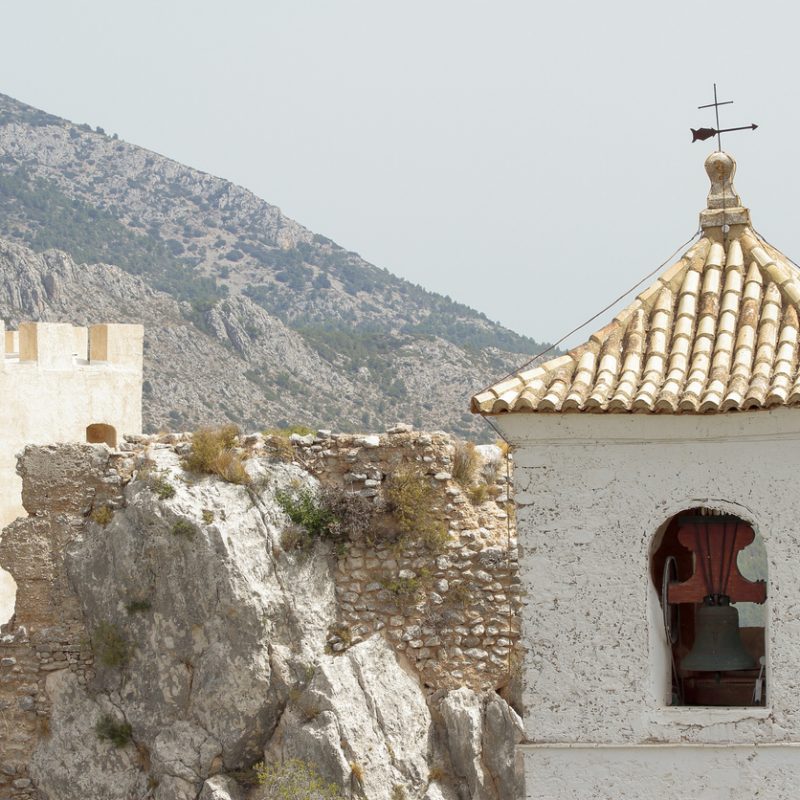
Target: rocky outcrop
{"type": "Point", "coordinates": [481, 735]}
{"type": "Point", "coordinates": [362, 720]}
{"type": "Point", "coordinates": [162, 652]}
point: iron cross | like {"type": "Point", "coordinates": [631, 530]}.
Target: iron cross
{"type": "Point", "coordinates": [701, 134]}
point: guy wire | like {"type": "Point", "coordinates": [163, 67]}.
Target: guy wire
{"type": "Point", "coordinates": [599, 313]}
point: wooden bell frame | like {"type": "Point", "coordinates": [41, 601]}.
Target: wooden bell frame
{"type": "Point", "coordinates": [697, 557]}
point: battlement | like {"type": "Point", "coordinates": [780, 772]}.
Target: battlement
{"type": "Point", "coordinates": [60, 346]}
{"type": "Point", "coordinates": [62, 383]}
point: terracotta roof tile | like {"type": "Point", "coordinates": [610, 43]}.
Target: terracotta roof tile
{"type": "Point", "coordinates": [717, 331]}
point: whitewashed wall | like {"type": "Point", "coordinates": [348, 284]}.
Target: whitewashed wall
{"type": "Point", "coordinates": [592, 491]}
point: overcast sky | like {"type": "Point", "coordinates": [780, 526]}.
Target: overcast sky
{"type": "Point", "coordinates": [530, 159]}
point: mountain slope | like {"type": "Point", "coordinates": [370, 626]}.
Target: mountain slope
{"type": "Point", "coordinates": [305, 330]}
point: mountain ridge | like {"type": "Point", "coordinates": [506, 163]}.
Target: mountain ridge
{"type": "Point", "coordinates": [376, 348]}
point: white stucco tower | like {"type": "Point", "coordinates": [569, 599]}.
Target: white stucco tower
{"type": "Point", "coordinates": [646, 462]}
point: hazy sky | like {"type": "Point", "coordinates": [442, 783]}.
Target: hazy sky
{"type": "Point", "coordinates": [530, 159]}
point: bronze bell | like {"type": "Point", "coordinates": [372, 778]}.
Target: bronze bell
{"type": "Point", "coordinates": [717, 644]}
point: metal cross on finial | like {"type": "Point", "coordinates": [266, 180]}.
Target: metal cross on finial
{"type": "Point", "coordinates": [701, 134]}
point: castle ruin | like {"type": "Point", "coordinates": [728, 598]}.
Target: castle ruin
{"type": "Point", "coordinates": [61, 383]}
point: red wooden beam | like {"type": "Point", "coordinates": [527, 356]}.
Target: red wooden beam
{"type": "Point", "coordinates": [716, 542]}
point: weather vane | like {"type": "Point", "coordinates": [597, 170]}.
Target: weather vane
{"type": "Point", "coordinates": [701, 134]}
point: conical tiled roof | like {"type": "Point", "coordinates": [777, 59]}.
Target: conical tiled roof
{"type": "Point", "coordinates": [717, 331]}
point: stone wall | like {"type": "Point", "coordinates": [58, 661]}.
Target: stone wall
{"type": "Point", "coordinates": [47, 633]}
{"type": "Point", "coordinates": [460, 627]}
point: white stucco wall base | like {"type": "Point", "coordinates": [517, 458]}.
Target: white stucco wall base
{"type": "Point", "coordinates": [591, 492]}
{"type": "Point", "coordinates": [663, 771]}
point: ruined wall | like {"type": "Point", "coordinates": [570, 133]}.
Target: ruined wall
{"type": "Point", "coordinates": [459, 629]}
{"type": "Point", "coordinates": [47, 633]}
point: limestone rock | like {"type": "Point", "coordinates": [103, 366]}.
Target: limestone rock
{"type": "Point", "coordinates": [481, 735]}
{"type": "Point", "coordinates": [228, 627]}
{"type": "Point", "coordinates": [73, 763]}
{"type": "Point", "coordinates": [221, 787]}
{"type": "Point", "coordinates": [361, 708]}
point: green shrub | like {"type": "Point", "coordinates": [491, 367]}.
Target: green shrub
{"type": "Point", "coordinates": [160, 486]}
{"type": "Point", "coordinates": [304, 508]}
{"type": "Point", "coordinates": [208, 516]}
{"type": "Point", "coordinates": [118, 733]}
{"type": "Point", "coordinates": [110, 645]}
{"type": "Point", "coordinates": [213, 453]}
{"type": "Point", "coordinates": [136, 606]}
{"type": "Point", "coordinates": [331, 514]}
{"type": "Point", "coordinates": [295, 780]}
{"type": "Point", "coordinates": [465, 463]}
{"type": "Point", "coordinates": [183, 527]}
{"type": "Point", "coordinates": [404, 587]}
{"type": "Point", "coordinates": [102, 516]}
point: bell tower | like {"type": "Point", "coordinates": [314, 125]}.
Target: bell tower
{"type": "Point", "coordinates": [656, 486]}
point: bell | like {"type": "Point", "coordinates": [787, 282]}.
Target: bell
{"type": "Point", "coordinates": [717, 644]}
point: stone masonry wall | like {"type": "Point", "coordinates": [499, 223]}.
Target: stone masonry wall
{"type": "Point", "coordinates": [462, 626]}
{"type": "Point", "coordinates": [61, 486]}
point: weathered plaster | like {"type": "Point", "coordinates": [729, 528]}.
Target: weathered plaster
{"type": "Point", "coordinates": [592, 491]}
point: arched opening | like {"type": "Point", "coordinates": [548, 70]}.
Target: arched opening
{"type": "Point", "coordinates": [708, 571]}
{"type": "Point", "coordinates": [100, 433]}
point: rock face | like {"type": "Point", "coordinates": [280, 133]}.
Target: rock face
{"type": "Point", "coordinates": [185, 627]}
{"type": "Point", "coordinates": [72, 762]}
{"type": "Point", "coordinates": [481, 735]}
{"type": "Point", "coordinates": [227, 631]}
{"type": "Point", "coordinates": [361, 715]}
{"type": "Point", "coordinates": [242, 289]}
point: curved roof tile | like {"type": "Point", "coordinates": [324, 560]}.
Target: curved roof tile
{"type": "Point", "coordinates": [717, 331]}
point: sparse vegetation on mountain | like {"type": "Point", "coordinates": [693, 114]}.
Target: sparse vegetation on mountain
{"type": "Point", "coordinates": [261, 322]}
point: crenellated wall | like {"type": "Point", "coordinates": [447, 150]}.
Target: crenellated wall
{"type": "Point", "coordinates": [55, 381]}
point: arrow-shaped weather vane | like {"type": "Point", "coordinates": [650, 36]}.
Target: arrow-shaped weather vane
{"type": "Point", "coordinates": [701, 134]}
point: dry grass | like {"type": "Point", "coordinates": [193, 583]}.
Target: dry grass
{"type": "Point", "coordinates": [412, 501]}
{"type": "Point", "coordinates": [213, 453]}
{"type": "Point", "coordinates": [102, 516]}
{"type": "Point", "coordinates": [478, 493]}
{"type": "Point", "coordinates": [465, 463]}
